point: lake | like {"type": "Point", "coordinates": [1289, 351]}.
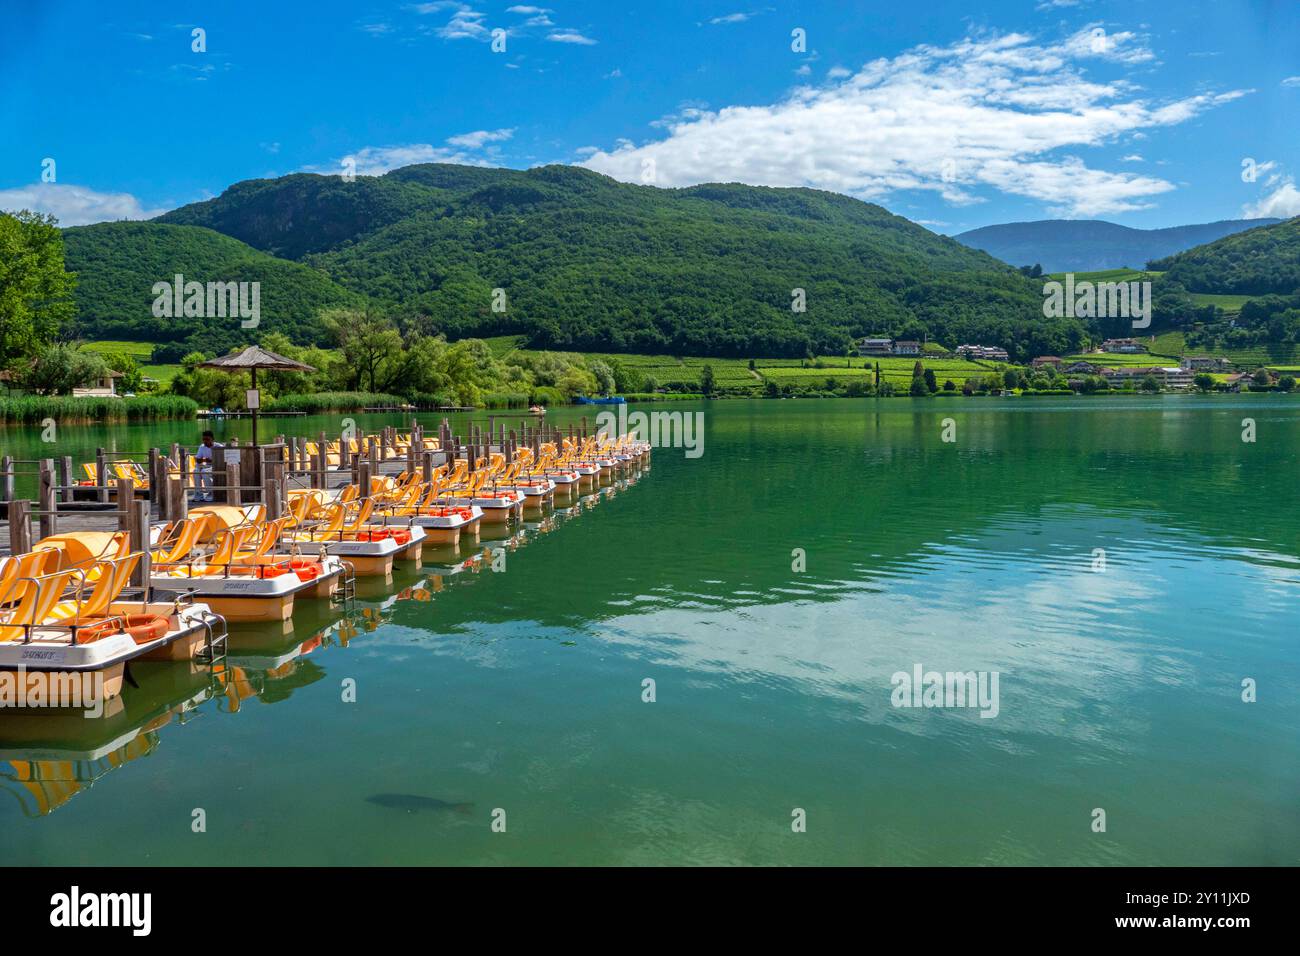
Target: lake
{"type": "Point", "coordinates": [1121, 564]}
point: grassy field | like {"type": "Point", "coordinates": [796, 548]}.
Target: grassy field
{"type": "Point", "coordinates": [1230, 304]}
{"type": "Point", "coordinates": [735, 374]}
{"type": "Point", "coordinates": [1114, 360]}
{"type": "Point", "coordinates": [1107, 275]}
{"type": "Point", "coordinates": [141, 352]}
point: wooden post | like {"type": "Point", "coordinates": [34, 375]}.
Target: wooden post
{"type": "Point", "coordinates": [155, 477]}
{"type": "Point", "coordinates": [125, 498]}
{"type": "Point", "coordinates": [176, 501]}
{"type": "Point", "coordinates": [363, 476]}
{"type": "Point", "coordinates": [140, 541]}
{"type": "Point", "coordinates": [250, 471]}
{"type": "Point", "coordinates": [7, 479]}
{"type": "Point", "coordinates": [318, 473]}
{"type": "Point", "coordinates": [48, 501]}
{"type": "Point", "coordinates": [427, 476]}
{"type": "Point", "coordinates": [20, 526]}
{"type": "Point", "coordinates": [101, 476]}
{"type": "Point", "coordinates": [65, 478]}
{"type": "Point", "coordinates": [271, 498]}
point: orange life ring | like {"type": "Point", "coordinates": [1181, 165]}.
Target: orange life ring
{"type": "Point", "coordinates": [142, 628]}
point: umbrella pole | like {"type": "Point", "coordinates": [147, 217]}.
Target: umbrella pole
{"type": "Point", "coordinates": [253, 371]}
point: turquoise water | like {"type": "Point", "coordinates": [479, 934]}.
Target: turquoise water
{"type": "Point", "coordinates": [521, 690]}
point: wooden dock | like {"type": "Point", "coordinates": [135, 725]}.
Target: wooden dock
{"type": "Point", "coordinates": [242, 475]}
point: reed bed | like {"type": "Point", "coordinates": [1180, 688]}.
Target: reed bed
{"type": "Point", "coordinates": [35, 409]}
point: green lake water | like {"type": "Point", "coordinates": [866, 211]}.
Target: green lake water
{"type": "Point", "coordinates": [521, 690]}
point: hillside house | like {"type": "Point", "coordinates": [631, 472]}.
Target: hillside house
{"type": "Point", "coordinates": [875, 346]}
{"type": "Point", "coordinates": [105, 387]}
{"type": "Point", "coordinates": [1123, 346]}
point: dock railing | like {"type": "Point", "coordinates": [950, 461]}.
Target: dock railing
{"type": "Point", "coordinates": [163, 480]}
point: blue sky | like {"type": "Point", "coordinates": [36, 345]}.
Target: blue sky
{"type": "Point", "coordinates": [1141, 112]}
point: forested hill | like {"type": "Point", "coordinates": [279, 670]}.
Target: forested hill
{"type": "Point", "coordinates": [1085, 245]}
{"type": "Point", "coordinates": [1259, 262]}
{"type": "Point", "coordinates": [117, 264]}
{"type": "Point", "coordinates": [586, 262]}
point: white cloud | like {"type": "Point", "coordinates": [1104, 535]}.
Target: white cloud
{"type": "Point", "coordinates": [989, 111]}
{"type": "Point", "coordinates": [1282, 203]}
{"type": "Point", "coordinates": [468, 149]}
{"type": "Point", "coordinates": [480, 137]}
{"type": "Point", "coordinates": [731, 18]}
{"type": "Point", "coordinates": [75, 205]}
{"type": "Point", "coordinates": [1132, 158]}
{"type": "Point", "coordinates": [1291, 81]}
{"type": "Point", "coordinates": [524, 10]}
{"type": "Point", "coordinates": [464, 25]}
{"type": "Point", "coordinates": [435, 7]}
{"type": "Point", "coordinates": [570, 36]}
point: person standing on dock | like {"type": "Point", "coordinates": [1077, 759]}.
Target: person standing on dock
{"type": "Point", "coordinates": [203, 467]}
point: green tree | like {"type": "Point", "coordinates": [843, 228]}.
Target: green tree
{"type": "Point", "coordinates": [1203, 381]}
{"type": "Point", "coordinates": [930, 383]}
{"type": "Point", "coordinates": [1150, 384]}
{"type": "Point", "coordinates": [604, 376]}
{"type": "Point", "coordinates": [368, 341]}
{"type": "Point", "coordinates": [918, 386]}
{"type": "Point", "coordinates": [124, 363]}
{"type": "Point", "coordinates": [35, 288]}
{"type": "Point", "coordinates": [706, 380]}
{"type": "Point", "coordinates": [1286, 383]}
{"type": "Point", "coordinates": [59, 368]}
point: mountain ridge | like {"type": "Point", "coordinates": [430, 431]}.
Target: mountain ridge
{"type": "Point", "coordinates": [1089, 245]}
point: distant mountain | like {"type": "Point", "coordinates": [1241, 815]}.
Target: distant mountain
{"type": "Point", "coordinates": [587, 262]}
{"type": "Point", "coordinates": [1086, 245]}
{"type": "Point", "coordinates": [1259, 262]}
{"type": "Point", "coordinates": [117, 264]}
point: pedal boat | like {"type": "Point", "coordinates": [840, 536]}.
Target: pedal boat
{"type": "Point", "coordinates": [442, 524]}
{"type": "Point", "coordinates": [369, 548]}
{"type": "Point", "coordinates": [496, 505]}
{"type": "Point", "coordinates": [241, 578]}
{"type": "Point", "coordinates": [58, 627]}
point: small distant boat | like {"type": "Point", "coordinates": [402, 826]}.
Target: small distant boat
{"type": "Point", "coordinates": [536, 410]}
{"type": "Point", "coordinates": [612, 400]}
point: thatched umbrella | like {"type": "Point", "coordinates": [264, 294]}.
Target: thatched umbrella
{"type": "Point", "coordinates": [251, 359]}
